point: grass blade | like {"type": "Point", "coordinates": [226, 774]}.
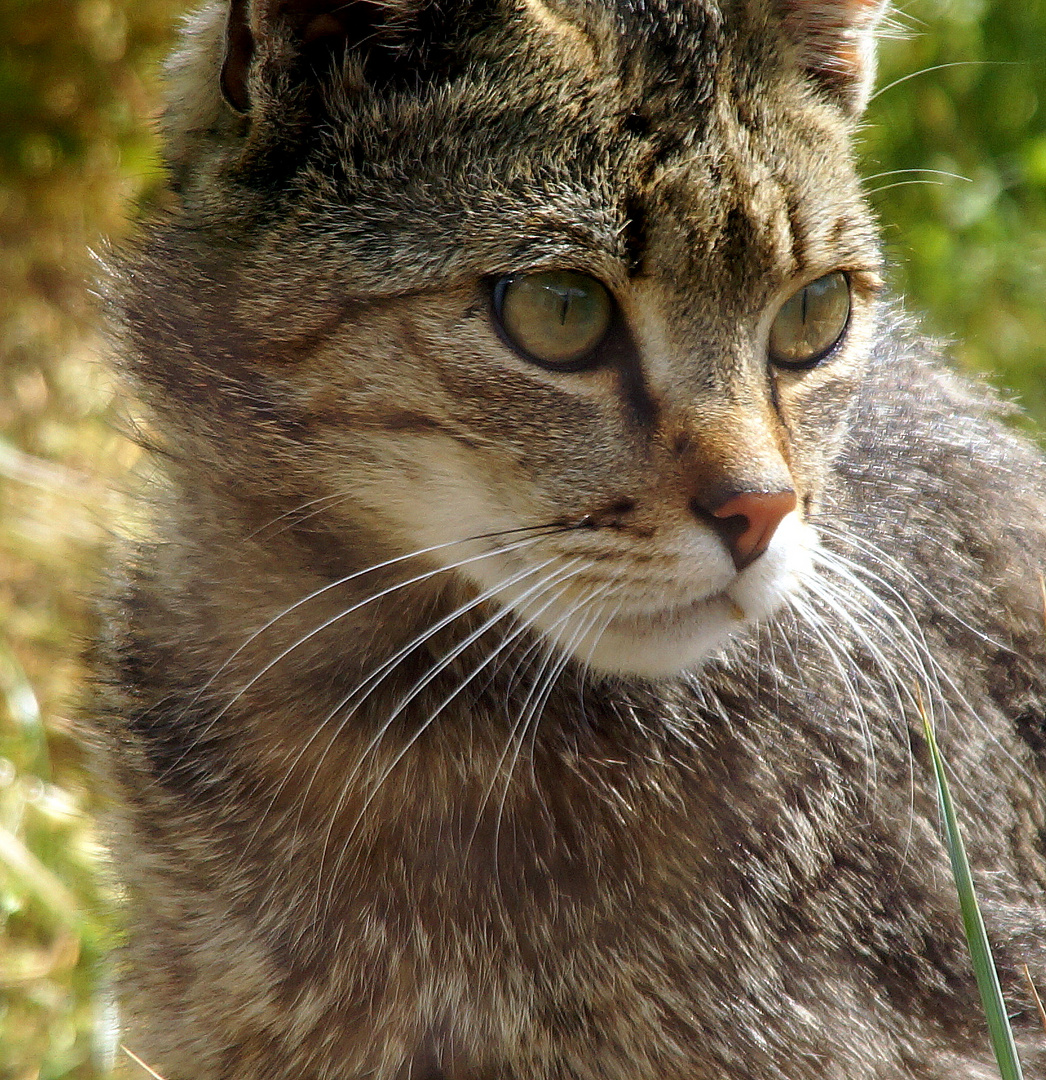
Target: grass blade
{"type": "Point", "coordinates": [980, 951]}
{"type": "Point", "coordinates": [1035, 996]}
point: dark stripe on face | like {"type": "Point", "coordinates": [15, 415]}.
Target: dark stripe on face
{"type": "Point", "coordinates": [798, 232]}
{"type": "Point", "coordinates": [841, 230]}
{"type": "Point", "coordinates": [620, 352]}
{"type": "Point", "coordinates": [739, 246]}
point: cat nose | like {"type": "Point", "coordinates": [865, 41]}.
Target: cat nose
{"type": "Point", "coordinates": [749, 520]}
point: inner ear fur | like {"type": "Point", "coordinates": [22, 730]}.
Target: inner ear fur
{"type": "Point", "coordinates": [835, 42]}
{"type": "Point", "coordinates": [298, 36]}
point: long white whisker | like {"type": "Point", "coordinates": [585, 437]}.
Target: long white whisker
{"type": "Point", "coordinates": [529, 705]}
{"type": "Point", "coordinates": [530, 715]}
{"type": "Point", "coordinates": [914, 172]}
{"type": "Point", "coordinates": [555, 578]}
{"type": "Point", "coordinates": [870, 551]}
{"type": "Point", "coordinates": [838, 604]}
{"type": "Point", "coordinates": [550, 582]}
{"type": "Point", "coordinates": [905, 183]}
{"type": "Point", "coordinates": [540, 531]}
{"type": "Point", "coordinates": [371, 682]}
{"type": "Point", "coordinates": [926, 71]}
{"type": "Point", "coordinates": [548, 650]}
{"type": "Point", "coordinates": [344, 613]}
{"type": "Point", "coordinates": [917, 652]}
{"type": "Point", "coordinates": [595, 641]}
{"type": "Point", "coordinates": [912, 647]}
{"type": "Point", "coordinates": [816, 625]}
{"type": "Point", "coordinates": [320, 502]}
{"type": "Point", "coordinates": [375, 678]}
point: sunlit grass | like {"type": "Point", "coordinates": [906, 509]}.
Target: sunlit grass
{"type": "Point", "coordinates": [56, 1016]}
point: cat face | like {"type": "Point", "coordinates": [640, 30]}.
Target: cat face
{"type": "Point", "coordinates": [622, 457]}
{"type": "Point", "coordinates": [592, 346]}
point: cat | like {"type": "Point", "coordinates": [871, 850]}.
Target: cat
{"type": "Point", "coordinates": [555, 537]}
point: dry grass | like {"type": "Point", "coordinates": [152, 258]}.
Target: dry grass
{"type": "Point", "coordinates": [55, 1017]}
{"type": "Point", "coordinates": [75, 152]}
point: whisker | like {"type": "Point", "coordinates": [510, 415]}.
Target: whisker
{"type": "Point", "coordinates": [837, 603]}
{"type": "Point", "coordinates": [905, 183]}
{"type": "Point", "coordinates": [870, 551]}
{"type": "Point", "coordinates": [321, 502]}
{"type": "Point", "coordinates": [936, 67]}
{"type": "Point", "coordinates": [548, 650]}
{"type": "Point", "coordinates": [911, 644]}
{"type": "Point", "coordinates": [344, 613]}
{"type": "Point", "coordinates": [817, 626]}
{"type": "Point", "coordinates": [913, 647]}
{"type": "Point", "coordinates": [916, 650]}
{"type": "Point", "coordinates": [900, 688]}
{"type": "Point", "coordinates": [911, 651]}
{"type": "Point", "coordinates": [535, 705]}
{"type": "Point", "coordinates": [364, 688]}
{"type": "Point", "coordinates": [539, 531]}
{"type": "Point", "coordinates": [534, 728]}
{"type": "Point", "coordinates": [553, 579]}
{"type": "Point", "coordinates": [556, 578]}
{"type": "Point", "coordinates": [530, 706]}
{"type": "Point", "coordinates": [907, 172]}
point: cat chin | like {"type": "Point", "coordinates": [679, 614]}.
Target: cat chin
{"type": "Point", "coordinates": [666, 641]}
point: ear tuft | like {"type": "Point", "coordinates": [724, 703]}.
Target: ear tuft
{"type": "Point", "coordinates": [284, 34]}
{"type": "Point", "coordinates": [836, 43]}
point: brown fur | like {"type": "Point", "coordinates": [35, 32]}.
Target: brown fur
{"type": "Point", "coordinates": [536, 853]}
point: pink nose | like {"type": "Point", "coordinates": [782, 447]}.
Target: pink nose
{"type": "Point", "coordinates": [757, 514]}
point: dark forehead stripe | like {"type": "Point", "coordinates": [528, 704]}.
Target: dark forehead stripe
{"type": "Point", "coordinates": [678, 43]}
{"type": "Point", "coordinates": [669, 61]}
{"type": "Point", "coordinates": [798, 230]}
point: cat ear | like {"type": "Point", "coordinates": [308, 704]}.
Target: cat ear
{"type": "Point", "coordinates": [836, 43]}
{"type": "Point", "coordinates": [284, 37]}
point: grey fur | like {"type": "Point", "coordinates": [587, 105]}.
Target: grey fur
{"type": "Point", "coordinates": [540, 868]}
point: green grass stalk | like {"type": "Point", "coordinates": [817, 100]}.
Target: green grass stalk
{"type": "Point", "coordinates": [980, 951]}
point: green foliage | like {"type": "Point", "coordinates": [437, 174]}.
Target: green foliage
{"type": "Point", "coordinates": [969, 248]}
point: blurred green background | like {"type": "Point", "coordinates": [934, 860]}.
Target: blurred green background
{"type": "Point", "coordinates": [967, 237]}
{"type": "Point", "coordinates": [956, 160]}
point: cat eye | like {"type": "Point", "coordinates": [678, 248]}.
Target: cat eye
{"type": "Point", "coordinates": [554, 317]}
{"type": "Point", "coordinates": [811, 322]}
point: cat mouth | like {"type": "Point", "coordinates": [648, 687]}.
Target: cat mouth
{"type": "Point", "coordinates": [662, 635]}
{"type": "Point", "coordinates": [719, 605]}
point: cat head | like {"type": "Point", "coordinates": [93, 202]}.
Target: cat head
{"type": "Point", "coordinates": [591, 284]}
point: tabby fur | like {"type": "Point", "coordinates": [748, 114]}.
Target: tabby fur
{"type": "Point", "coordinates": [409, 784]}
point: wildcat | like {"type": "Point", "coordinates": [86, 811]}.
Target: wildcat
{"type": "Point", "coordinates": [554, 538]}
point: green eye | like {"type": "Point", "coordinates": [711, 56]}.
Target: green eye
{"type": "Point", "coordinates": [554, 317]}
{"type": "Point", "coordinates": [811, 322]}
